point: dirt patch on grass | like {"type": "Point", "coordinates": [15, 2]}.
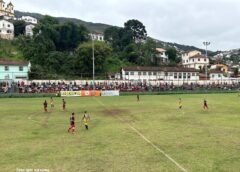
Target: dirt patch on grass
{"type": "Point", "coordinates": [115, 112]}
{"type": "Point", "coordinates": [124, 114]}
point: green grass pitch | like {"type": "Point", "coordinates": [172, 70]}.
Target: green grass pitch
{"type": "Point", "coordinates": [124, 135]}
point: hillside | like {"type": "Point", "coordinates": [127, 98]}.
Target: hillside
{"type": "Point", "coordinates": [99, 27]}
{"type": "Point", "coordinates": [9, 50]}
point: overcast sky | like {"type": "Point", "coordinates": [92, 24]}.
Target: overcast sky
{"type": "Point", "coordinates": [187, 22]}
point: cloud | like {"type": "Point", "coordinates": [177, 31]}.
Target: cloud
{"type": "Point", "coordinates": [187, 21]}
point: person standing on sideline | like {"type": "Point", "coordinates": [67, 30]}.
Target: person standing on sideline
{"type": "Point", "coordinates": [138, 98]}
{"type": "Point", "coordinates": [86, 119]}
{"type": "Point", "coordinates": [72, 123]}
{"type": "Point", "coordinates": [205, 104]}
{"type": "Point", "coordinates": [52, 103]}
{"type": "Point", "coordinates": [45, 104]}
{"type": "Point", "coordinates": [64, 104]}
{"type": "Point", "coordinates": [180, 103]}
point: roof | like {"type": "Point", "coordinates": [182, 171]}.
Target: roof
{"type": "Point", "coordinates": [198, 56]}
{"type": "Point", "coordinates": [160, 50]}
{"type": "Point", "coordinates": [189, 51]}
{"type": "Point", "coordinates": [10, 4]}
{"type": "Point", "coordinates": [215, 71]}
{"type": "Point", "coordinates": [163, 69]}
{"type": "Point", "coordinates": [4, 61]}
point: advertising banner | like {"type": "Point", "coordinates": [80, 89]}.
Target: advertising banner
{"type": "Point", "coordinates": [110, 93]}
{"type": "Point", "coordinates": [85, 93]}
{"type": "Point", "coordinates": [70, 93]}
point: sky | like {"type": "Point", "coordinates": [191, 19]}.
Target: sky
{"type": "Point", "coordinates": [188, 22]}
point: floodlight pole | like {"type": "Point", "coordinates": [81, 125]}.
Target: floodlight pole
{"type": "Point", "coordinates": [206, 44]}
{"type": "Point", "coordinates": [93, 56]}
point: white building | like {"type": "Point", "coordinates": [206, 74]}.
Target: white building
{"type": "Point", "coordinates": [194, 59]}
{"type": "Point", "coordinates": [217, 75]}
{"type": "Point", "coordinates": [29, 30]}
{"type": "Point", "coordinates": [161, 55]}
{"type": "Point", "coordinates": [6, 29]}
{"type": "Point", "coordinates": [6, 10]}
{"type": "Point", "coordinates": [97, 36]}
{"type": "Point", "coordinates": [29, 19]}
{"type": "Point", "coordinates": [138, 73]}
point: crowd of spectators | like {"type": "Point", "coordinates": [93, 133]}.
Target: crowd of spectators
{"type": "Point", "coordinates": [123, 86]}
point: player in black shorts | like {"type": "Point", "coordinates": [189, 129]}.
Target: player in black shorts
{"type": "Point", "coordinates": [205, 105]}
{"type": "Point", "coordinates": [64, 104]}
{"type": "Point", "coordinates": [45, 104]}
{"type": "Point", "coordinates": [72, 123]}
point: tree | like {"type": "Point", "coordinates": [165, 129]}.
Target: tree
{"type": "Point", "coordinates": [137, 30]}
{"type": "Point", "coordinates": [84, 57]}
{"type": "Point", "coordinates": [235, 71]}
{"type": "Point", "coordinates": [130, 53]}
{"type": "Point", "coordinates": [70, 36]}
{"type": "Point", "coordinates": [148, 53]}
{"type": "Point", "coordinates": [19, 27]}
{"type": "Point", "coordinates": [172, 55]}
{"type": "Point", "coordinates": [119, 38]}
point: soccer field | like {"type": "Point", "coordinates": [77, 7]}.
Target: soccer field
{"type": "Point", "coordinates": [124, 135]}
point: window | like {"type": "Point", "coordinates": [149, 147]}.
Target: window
{"type": "Point", "coordinates": [144, 73]}
{"type": "Point", "coordinates": [170, 74]}
{"type": "Point", "coordinates": [20, 68]}
{"type": "Point", "coordinates": [166, 74]}
{"type": "Point", "coordinates": [189, 75]}
{"type": "Point", "coordinates": [8, 25]}
{"type": "Point", "coordinates": [131, 73]}
{"type": "Point", "coordinates": [0, 31]}
{"type": "Point", "coordinates": [193, 60]}
{"type": "Point", "coordinates": [6, 68]}
{"type": "Point", "coordinates": [193, 74]}
{"type": "Point", "coordinates": [139, 73]}
{"type": "Point", "coordinates": [180, 75]}
{"type": "Point", "coordinates": [154, 73]}
{"type": "Point", "coordinates": [175, 75]}
{"type": "Point", "coordinates": [127, 73]}
{"type": "Point", "coordinates": [219, 75]}
{"type": "Point", "coordinates": [149, 73]}
{"type": "Point", "coordinates": [199, 60]}
{"type": "Point", "coordinates": [212, 75]}
{"type": "Point", "coordinates": [184, 75]}
{"type": "Point", "coordinates": [205, 60]}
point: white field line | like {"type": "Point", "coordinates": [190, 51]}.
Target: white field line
{"type": "Point", "coordinates": [148, 141]}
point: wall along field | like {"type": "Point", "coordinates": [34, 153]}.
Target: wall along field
{"type": "Point", "coordinates": [124, 135]}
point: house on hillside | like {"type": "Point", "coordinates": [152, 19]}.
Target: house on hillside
{"type": "Point", "coordinates": [97, 36]}
{"type": "Point", "coordinates": [137, 73]}
{"type": "Point", "coordinates": [221, 67]}
{"type": "Point", "coordinates": [161, 56]}
{"type": "Point", "coordinates": [14, 69]}
{"type": "Point", "coordinates": [194, 59]}
{"type": "Point", "coordinates": [29, 30]}
{"type": "Point", "coordinates": [29, 19]}
{"type": "Point", "coordinates": [6, 29]}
